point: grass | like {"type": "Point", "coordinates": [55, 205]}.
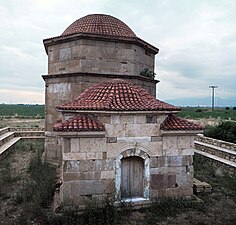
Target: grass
{"type": "Point", "coordinates": [198, 113]}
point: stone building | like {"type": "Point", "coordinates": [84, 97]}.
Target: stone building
{"type": "Point", "coordinates": [111, 137]}
{"type": "Point", "coordinates": [92, 49]}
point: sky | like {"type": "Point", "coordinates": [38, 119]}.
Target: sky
{"type": "Point", "coordinates": [196, 38]}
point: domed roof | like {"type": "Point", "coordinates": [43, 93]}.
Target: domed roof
{"type": "Point", "coordinates": [117, 95]}
{"type": "Point", "coordinates": [99, 24]}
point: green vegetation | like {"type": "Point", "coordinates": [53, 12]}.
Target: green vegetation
{"type": "Point", "coordinates": [149, 73]}
{"type": "Point", "coordinates": [197, 113]}
{"type": "Point", "coordinates": [206, 172]}
{"type": "Point", "coordinates": [225, 131]}
{"type": "Point", "coordinates": [22, 111]}
{"type": "Point", "coordinates": [37, 191]}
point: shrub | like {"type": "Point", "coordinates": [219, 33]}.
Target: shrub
{"type": "Point", "coordinates": [226, 131]}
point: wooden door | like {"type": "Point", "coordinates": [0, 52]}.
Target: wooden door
{"type": "Point", "coordinates": [132, 177]}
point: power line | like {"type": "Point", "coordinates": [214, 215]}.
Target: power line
{"type": "Point", "coordinates": [213, 95]}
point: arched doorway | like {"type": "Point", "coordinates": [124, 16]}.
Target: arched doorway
{"type": "Point", "coordinates": [132, 172]}
{"type": "Point", "coordinates": [132, 175]}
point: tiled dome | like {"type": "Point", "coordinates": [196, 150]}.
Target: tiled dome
{"type": "Point", "coordinates": [99, 24]}
{"type": "Point", "coordinates": [117, 95]}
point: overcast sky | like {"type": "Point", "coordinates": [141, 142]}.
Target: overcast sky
{"type": "Point", "coordinates": [196, 38]}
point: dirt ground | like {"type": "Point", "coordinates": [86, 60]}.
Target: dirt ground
{"type": "Point", "coordinates": [19, 122]}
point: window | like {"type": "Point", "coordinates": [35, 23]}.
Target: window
{"type": "Point", "coordinates": [151, 119]}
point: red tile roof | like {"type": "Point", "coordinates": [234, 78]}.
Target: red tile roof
{"type": "Point", "coordinates": [99, 24]}
{"type": "Point", "coordinates": [80, 122]}
{"type": "Point", "coordinates": [172, 122]}
{"type": "Point", "coordinates": [117, 95]}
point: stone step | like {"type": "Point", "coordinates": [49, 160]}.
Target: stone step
{"type": "Point", "coordinates": [4, 130]}
{"type": "Point", "coordinates": [199, 186]}
{"type": "Point", "coordinates": [4, 148]}
{"type": "Point", "coordinates": [6, 137]}
{"type": "Point", "coordinates": [217, 158]}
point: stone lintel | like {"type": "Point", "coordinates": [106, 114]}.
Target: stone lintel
{"type": "Point", "coordinates": [156, 138]}
{"type": "Point", "coordinates": [133, 139]}
{"type": "Point", "coordinates": [88, 134]}
{"type": "Point", "coordinates": [180, 132]}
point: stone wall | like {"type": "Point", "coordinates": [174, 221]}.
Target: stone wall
{"type": "Point", "coordinates": [91, 166]}
{"type": "Point", "coordinates": [215, 142]}
{"type": "Point", "coordinates": [97, 56]}
{"type": "Point", "coordinates": [219, 168]}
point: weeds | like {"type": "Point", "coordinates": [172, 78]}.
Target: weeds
{"type": "Point", "coordinates": [33, 146]}
{"type": "Point", "coordinates": [37, 191]}
{"type": "Point", "coordinates": [6, 179]}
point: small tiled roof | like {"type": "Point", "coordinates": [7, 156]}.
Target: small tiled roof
{"type": "Point", "coordinates": [172, 122]}
{"type": "Point", "coordinates": [99, 24]}
{"type": "Point", "coordinates": [81, 122]}
{"type": "Point", "coordinates": [117, 95]}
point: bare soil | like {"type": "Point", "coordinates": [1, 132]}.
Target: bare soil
{"type": "Point", "coordinates": [20, 122]}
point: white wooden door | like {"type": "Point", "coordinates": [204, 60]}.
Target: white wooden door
{"type": "Point", "coordinates": [132, 177]}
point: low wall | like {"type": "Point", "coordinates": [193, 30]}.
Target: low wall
{"type": "Point", "coordinates": [215, 142]}
{"type": "Point", "coordinates": [218, 167]}
{"type": "Point", "coordinates": [221, 155]}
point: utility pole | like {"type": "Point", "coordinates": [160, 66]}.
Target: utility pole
{"type": "Point", "coordinates": [213, 95]}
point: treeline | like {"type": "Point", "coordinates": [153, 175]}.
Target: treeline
{"type": "Point", "coordinates": [22, 110]}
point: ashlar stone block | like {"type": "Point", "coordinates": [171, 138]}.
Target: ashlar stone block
{"type": "Point", "coordinates": [183, 142]}
{"type": "Point", "coordinates": [150, 129]}
{"type": "Point", "coordinates": [169, 142]}
{"type": "Point", "coordinates": [115, 130]}
{"type": "Point", "coordinates": [132, 130]}
{"type": "Point", "coordinates": [91, 145]}
{"type": "Point", "coordinates": [127, 119]}
{"type": "Point", "coordinates": [108, 174]}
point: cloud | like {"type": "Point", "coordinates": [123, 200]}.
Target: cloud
{"type": "Point", "coordinates": [197, 41]}
{"type": "Point", "coordinates": [20, 96]}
